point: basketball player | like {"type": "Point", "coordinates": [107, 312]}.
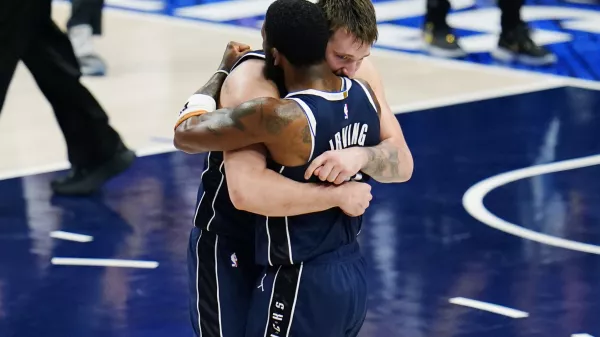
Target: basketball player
{"type": "Point", "coordinates": [255, 188]}
{"type": "Point", "coordinates": [321, 110]}
{"type": "Point", "coordinates": [221, 252]}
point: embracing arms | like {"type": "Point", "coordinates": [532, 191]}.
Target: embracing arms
{"type": "Point", "coordinates": [252, 186]}
{"type": "Point", "coordinates": [255, 188]}
{"type": "Point", "coordinates": [389, 161]}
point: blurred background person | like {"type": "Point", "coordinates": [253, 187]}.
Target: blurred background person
{"type": "Point", "coordinates": [514, 43]}
{"type": "Point", "coordinates": [95, 150]}
{"type": "Point", "coordinates": [85, 23]}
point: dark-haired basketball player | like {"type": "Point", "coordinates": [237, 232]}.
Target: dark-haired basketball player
{"type": "Point", "coordinates": [314, 266]}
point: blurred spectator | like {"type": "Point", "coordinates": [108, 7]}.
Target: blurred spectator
{"type": "Point", "coordinates": [515, 41]}
{"type": "Point", "coordinates": [95, 150]}
{"type": "Point", "coordinates": [84, 23]}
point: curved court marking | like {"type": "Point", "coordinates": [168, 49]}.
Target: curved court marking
{"type": "Point", "coordinates": [486, 306]}
{"type": "Point", "coordinates": [67, 261]}
{"type": "Point", "coordinates": [473, 202]}
{"type": "Point", "coordinates": [71, 236]}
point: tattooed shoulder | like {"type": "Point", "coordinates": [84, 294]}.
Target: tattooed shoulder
{"type": "Point", "coordinates": [284, 114]}
{"type": "Point", "coordinates": [306, 135]}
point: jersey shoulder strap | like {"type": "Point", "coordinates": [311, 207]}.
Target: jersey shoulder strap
{"type": "Point", "coordinates": [367, 94]}
{"type": "Point", "coordinates": [255, 54]}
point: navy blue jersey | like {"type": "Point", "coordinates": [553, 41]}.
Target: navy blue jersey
{"type": "Point", "coordinates": [214, 210]}
{"type": "Point", "coordinates": [337, 120]}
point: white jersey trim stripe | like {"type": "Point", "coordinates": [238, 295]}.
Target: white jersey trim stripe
{"type": "Point", "coordinates": [287, 229]}
{"type": "Point", "coordinates": [245, 56]}
{"type": "Point", "coordinates": [330, 96]}
{"type": "Point", "coordinates": [368, 95]}
{"type": "Point", "coordinates": [312, 122]}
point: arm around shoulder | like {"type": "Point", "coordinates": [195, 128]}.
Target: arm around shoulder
{"type": "Point", "coordinates": [244, 99]}
{"type": "Point", "coordinates": [227, 129]}
{"type": "Point", "coordinates": [255, 188]}
{"type": "Point", "coordinates": [391, 160]}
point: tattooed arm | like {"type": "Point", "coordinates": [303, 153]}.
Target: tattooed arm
{"type": "Point", "coordinates": [391, 160]}
{"type": "Point", "coordinates": [388, 162]}
{"type": "Point", "coordinates": [228, 128]}
{"type": "Point", "coordinates": [383, 162]}
{"type": "Point", "coordinates": [280, 125]}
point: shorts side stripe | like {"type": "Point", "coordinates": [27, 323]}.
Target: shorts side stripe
{"type": "Point", "coordinates": [283, 301]}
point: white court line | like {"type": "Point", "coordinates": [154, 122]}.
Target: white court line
{"type": "Point", "coordinates": [581, 335]}
{"type": "Point", "coordinates": [473, 202]}
{"type": "Point", "coordinates": [33, 170]}
{"type": "Point", "coordinates": [497, 309]}
{"type": "Point", "coordinates": [156, 148]}
{"type": "Point", "coordinates": [71, 236]}
{"type": "Point", "coordinates": [491, 68]}
{"type": "Point", "coordinates": [65, 261]}
{"type": "Point", "coordinates": [550, 83]}
{"type": "Point", "coordinates": [143, 5]}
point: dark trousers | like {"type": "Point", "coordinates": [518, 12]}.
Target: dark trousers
{"type": "Point", "coordinates": [87, 12]}
{"type": "Point", "coordinates": [28, 34]}
{"type": "Point", "coordinates": [437, 10]}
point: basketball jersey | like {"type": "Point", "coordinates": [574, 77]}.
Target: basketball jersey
{"type": "Point", "coordinates": [337, 120]}
{"type": "Point", "coordinates": [214, 210]}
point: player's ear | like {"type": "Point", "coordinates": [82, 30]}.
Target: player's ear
{"type": "Point", "coordinates": [276, 56]}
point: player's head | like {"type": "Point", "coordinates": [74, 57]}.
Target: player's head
{"type": "Point", "coordinates": [295, 33]}
{"type": "Point", "coordinates": [353, 28]}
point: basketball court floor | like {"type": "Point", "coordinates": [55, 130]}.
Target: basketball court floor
{"type": "Point", "coordinates": [497, 233]}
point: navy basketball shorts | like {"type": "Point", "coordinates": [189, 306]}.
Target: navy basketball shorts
{"type": "Point", "coordinates": [222, 275]}
{"type": "Point", "coordinates": [326, 297]}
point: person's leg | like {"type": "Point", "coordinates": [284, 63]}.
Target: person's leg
{"type": "Point", "coordinates": [19, 22]}
{"type": "Point", "coordinates": [515, 41]}
{"type": "Point", "coordinates": [86, 21]}
{"type": "Point", "coordinates": [86, 12]}
{"type": "Point", "coordinates": [324, 297]}
{"type": "Point", "coordinates": [95, 150]}
{"type": "Point", "coordinates": [437, 11]}
{"type": "Point", "coordinates": [437, 35]}
{"type": "Point", "coordinates": [222, 274]}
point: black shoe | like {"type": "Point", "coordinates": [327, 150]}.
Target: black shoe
{"type": "Point", "coordinates": [81, 181]}
{"type": "Point", "coordinates": [440, 41]}
{"type": "Point", "coordinates": [518, 45]}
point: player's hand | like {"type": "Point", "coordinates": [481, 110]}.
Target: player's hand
{"type": "Point", "coordinates": [233, 52]}
{"type": "Point", "coordinates": [354, 197]}
{"type": "Point", "coordinates": [337, 166]}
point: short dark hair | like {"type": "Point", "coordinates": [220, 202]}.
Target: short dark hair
{"type": "Point", "coordinates": [297, 29]}
{"type": "Point", "coordinates": [356, 16]}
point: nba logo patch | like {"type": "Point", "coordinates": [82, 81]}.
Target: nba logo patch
{"type": "Point", "coordinates": [345, 111]}
{"type": "Point", "coordinates": [234, 261]}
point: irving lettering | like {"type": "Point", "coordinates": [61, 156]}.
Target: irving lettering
{"type": "Point", "coordinates": [353, 134]}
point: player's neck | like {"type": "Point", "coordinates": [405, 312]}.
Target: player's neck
{"type": "Point", "coordinates": [318, 77]}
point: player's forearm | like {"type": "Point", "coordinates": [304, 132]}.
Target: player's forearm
{"type": "Point", "coordinates": [212, 131]}
{"type": "Point", "coordinates": [213, 87]}
{"type": "Point", "coordinates": [191, 124]}
{"type": "Point", "coordinates": [387, 163]}
{"type": "Point", "coordinates": [271, 194]}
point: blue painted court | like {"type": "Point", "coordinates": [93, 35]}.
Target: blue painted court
{"type": "Point", "coordinates": [423, 247]}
